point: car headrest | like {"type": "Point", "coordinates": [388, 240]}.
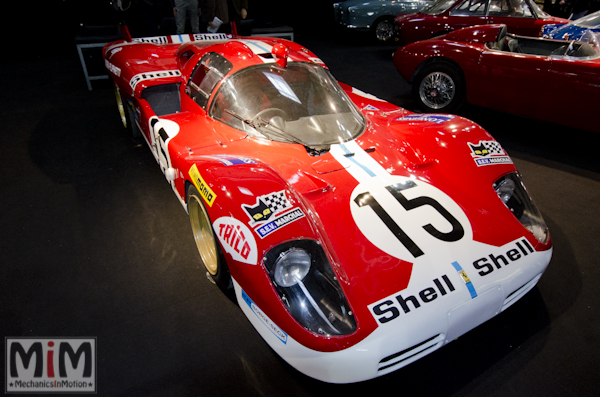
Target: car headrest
{"type": "Point", "coordinates": [501, 36]}
{"type": "Point", "coordinates": [585, 50]}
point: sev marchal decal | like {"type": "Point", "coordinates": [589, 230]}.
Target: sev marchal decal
{"type": "Point", "coordinates": [271, 213]}
{"type": "Point", "coordinates": [488, 153]}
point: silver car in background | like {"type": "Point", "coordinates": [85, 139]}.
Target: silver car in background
{"type": "Point", "coordinates": [375, 16]}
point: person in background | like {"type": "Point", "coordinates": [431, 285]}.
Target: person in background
{"type": "Point", "coordinates": [580, 9]}
{"type": "Point", "coordinates": [183, 8]}
{"type": "Point", "coordinates": [215, 8]}
{"type": "Point", "coordinates": [573, 9]}
{"type": "Point", "coordinates": [238, 10]}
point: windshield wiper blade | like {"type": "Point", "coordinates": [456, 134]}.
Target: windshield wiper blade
{"type": "Point", "coordinates": [258, 124]}
{"type": "Point", "coordinates": [282, 133]}
{"type": "Point", "coordinates": [245, 121]}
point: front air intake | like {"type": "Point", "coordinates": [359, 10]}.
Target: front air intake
{"type": "Point", "coordinates": [407, 356]}
{"type": "Point", "coordinates": [519, 292]}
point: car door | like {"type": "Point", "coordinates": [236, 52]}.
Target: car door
{"type": "Point", "coordinates": [468, 13]}
{"type": "Point", "coordinates": [512, 82]}
{"type": "Point", "coordinates": [574, 88]}
{"type": "Point", "coordinates": [515, 14]}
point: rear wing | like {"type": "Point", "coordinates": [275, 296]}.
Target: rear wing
{"type": "Point", "coordinates": [178, 38]}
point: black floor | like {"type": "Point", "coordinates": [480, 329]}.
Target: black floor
{"type": "Point", "coordinates": [95, 243]}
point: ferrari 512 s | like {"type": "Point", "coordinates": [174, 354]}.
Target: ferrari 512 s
{"type": "Point", "coordinates": [358, 236]}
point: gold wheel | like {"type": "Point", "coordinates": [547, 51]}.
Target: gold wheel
{"type": "Point", "coordinates": [203, 232]}
{"type": "Point", "coordinates": [121, 106]}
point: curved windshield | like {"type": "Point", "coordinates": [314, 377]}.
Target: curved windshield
{"type": "Point", "coordinates": [538, 10]}
{"type": "Point", "coordinates": [591, 21]}
{"type": "Point", "coordinates": [301, 103]}
{"type": "Point", "coordinates": [438, 7]}
{"type": "Point", "coordinates": [592, 38]}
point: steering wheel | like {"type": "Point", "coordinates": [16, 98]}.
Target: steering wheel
{"type": "Point", "coordinates": [273, 113]}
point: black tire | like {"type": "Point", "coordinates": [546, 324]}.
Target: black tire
{"type": "Point", "coordinates": [384, 29]}
{"type": "Point", "coordinates": [439, 87]}
{"type": "Point", "coordinates": [132, 126]}
{"type": "Point", "coordinates": [206, 241]}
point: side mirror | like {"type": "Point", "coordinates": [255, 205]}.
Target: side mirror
{"type": "Point", "coordinates": [280, 52]}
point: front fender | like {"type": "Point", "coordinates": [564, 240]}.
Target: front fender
{"type": "Point", "coordinates": [410, 59]}
{"type": "Point", "coordinates": [252, 209]}
{"type": "Point", "coordinates": [249, 191]}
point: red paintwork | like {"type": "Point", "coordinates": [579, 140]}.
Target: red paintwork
{"type": "Point", "coordinates": [557, 89]}
{"type": "Point", "coordinates": [437, 154]}
{"type": "Point", "coordinates": [418, 26]}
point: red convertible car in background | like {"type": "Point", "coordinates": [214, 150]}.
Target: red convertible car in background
{"type": "Point", "coordinates": [545, 79]}
{"type": "Point", "coordinates": [523, 17]}
{"type": "Point", "coordinates": [348, 227]}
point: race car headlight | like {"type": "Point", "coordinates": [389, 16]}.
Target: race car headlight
{"type": "Point", "coordinates": [308, 287]}
{"type": "Point", "coordinates": [512, 192]}
{"type": "Point", "coordinates": [291, 267]}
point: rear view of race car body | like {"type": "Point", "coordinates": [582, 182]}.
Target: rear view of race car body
{"type": "Point", "coordinates": [358, 236]}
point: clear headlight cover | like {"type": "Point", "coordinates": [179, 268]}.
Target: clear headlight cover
{"type": "Point", "coordinates": [308, 287]}
{"type": "Point", "coordinates": [291, 267]}
{"type": "Point", "coordinates": [514, 195]}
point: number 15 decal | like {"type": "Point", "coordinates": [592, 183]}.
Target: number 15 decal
{"type": "Point", "coordinates": [367, 199]}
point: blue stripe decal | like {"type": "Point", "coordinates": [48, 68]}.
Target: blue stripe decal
{"type": "Point", "coordinates": [278, 332]}
{"type": "Point", "coordinates": [466, 279]}
{"type": "Point", "coordinates": [350, 156]}
{"type": "Point", "coordinates": [181, 38]}
{"type": "Point", "coordinates": [258, 44]}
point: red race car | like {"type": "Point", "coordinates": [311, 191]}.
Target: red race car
{"type": "Point", "coordinates": [358, 236]}
{"type": "Point", "coordinates": [522, 17]}
{"type": "Point", "coordinates": [545, 79]}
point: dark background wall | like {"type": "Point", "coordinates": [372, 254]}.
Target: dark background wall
{"type": "Point", "coordinates": [54, 23]}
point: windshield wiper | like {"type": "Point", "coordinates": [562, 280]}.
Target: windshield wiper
{"type": "Point", "coordinates": [260, 123]}
{"type": "Point", "coordinates": [245, 121]}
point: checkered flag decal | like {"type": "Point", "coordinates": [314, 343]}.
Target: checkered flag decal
{"type": "Point", "coordinates": [276, 201]}
{"type": "Point", "coordinates": [266, 207]}
{"type": "Point", "coordinates": [493, 147]}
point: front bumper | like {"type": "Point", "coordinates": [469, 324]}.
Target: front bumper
{"type": "Point", "coordinates": [395, 344]}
